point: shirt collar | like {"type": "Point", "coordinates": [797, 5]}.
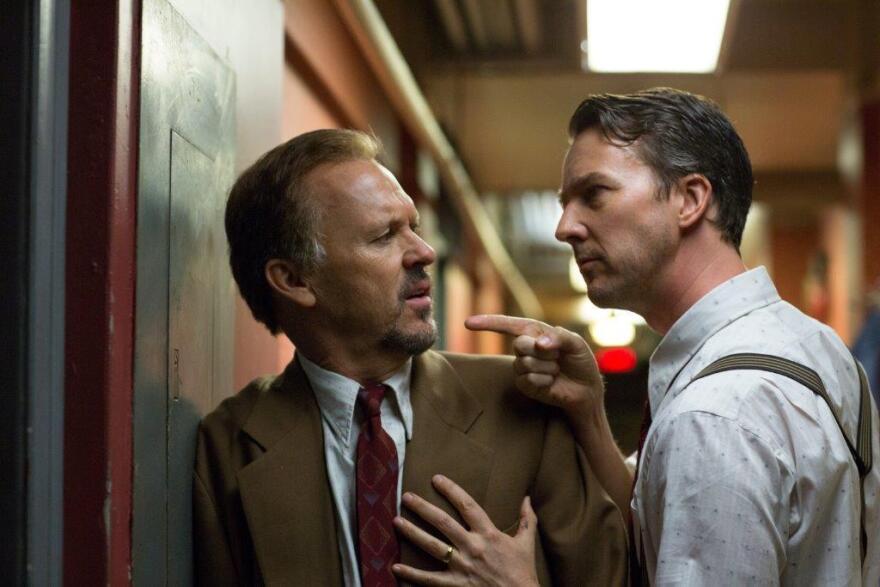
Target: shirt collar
{"type": "Point", "coordinates": [728, 301]}
{"type": "Point", "coordinates": [337, 396]}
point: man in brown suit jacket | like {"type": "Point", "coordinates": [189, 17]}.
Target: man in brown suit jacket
{"type": "Point", "coordinates": [324, 246]}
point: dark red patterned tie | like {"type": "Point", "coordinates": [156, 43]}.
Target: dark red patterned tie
{"type": "Point", "coordinates": [377, 471]}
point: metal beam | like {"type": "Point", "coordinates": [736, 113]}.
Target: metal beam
{"type": "Point", "coordinates": [477, 26]}
{"type": "Point", "coordinates": [452, 24]}
{"type": "Point", "coordinates": [46, 291]}
{"type": "Point", "coordinates": [528, 20]}
{"type": "Point", "coordinates": [500, 24]}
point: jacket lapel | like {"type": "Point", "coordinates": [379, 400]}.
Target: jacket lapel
{"type": "Point", "coordinates": [443, 413]}
{"type": "Point", "coordinates": [286, 492]}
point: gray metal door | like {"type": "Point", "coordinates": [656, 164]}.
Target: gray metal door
{"type": "Point", "coordinates": [184, 321]}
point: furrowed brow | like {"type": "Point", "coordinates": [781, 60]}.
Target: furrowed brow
{"type": "Point", "coordinates": [581, 184]}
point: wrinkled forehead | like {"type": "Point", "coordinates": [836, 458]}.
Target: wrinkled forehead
{"type": "Point", "coordinates": [358, 186]}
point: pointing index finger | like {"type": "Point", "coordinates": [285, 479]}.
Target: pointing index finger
{"type": "Point", "coordinates": [502, 324]}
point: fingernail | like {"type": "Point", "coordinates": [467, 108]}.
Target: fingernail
{"type": "Point", "coordinates": [544, 340]}
{"type": "Point", "coordinates": [407, 497]}
{"type": "Point", "coordinates": [438, 478]}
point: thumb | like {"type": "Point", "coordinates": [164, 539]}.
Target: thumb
{"type": "Point", "coordinates": [528, 524]}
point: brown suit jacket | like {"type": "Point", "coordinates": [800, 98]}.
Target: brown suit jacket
{"type": "Point", "coordinates": [263, 510]}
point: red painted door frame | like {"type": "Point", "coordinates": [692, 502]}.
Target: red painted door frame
{"type": "Point", "coordinates": [100, 273]}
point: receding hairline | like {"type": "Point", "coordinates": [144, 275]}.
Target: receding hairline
{"type": "Point", "coordinates": [307, 180]}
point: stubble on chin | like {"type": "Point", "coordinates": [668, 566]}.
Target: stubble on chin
{"type": "Point", "coordinates": [620, 294]}
{"type": "Point", "coordinates": [628, 285]}
{"type": "Point", "coordinates": [412, 343]}
{"type": "Point", "coordinates": [417, 342]}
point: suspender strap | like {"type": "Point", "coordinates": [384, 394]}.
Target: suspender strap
{"type": "Point", "coordinates": [861, 450]}
{"type": "Point", "coordinates": [863, 441]}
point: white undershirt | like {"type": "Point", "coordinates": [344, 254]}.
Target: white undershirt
{"type": "Point", "coordinates": [337, 396]}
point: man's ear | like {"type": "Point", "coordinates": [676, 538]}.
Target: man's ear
{"type": "Point", "coordinates": [287, 281]}
{"type": "Point", "coordinates": [696, 193]}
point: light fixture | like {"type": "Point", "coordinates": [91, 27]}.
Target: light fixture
{"type": "Point", "coordinates": [575, 279]}
{"type": "Point", "coordinates": [616, 360]}
{"type": "Point", "coordinates": [588, 312]}
{"type": "Point", "coordinates": [613, 329]}
{"type": "Point", "coordinates": [654, 35]}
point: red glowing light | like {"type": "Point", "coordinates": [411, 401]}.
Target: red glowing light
{"type": "Point", "coordinates": [616, 360]}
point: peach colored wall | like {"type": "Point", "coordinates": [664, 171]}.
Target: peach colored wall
{"type": "Point", "coordinates": [791, 249]}
{"type": "Point", "coordinates": [459, 305]}
{"type": "Point", "coordinates": [756, 246]}
{"type": "Point", "coordinates": [316, 29]}
{"type": "Point", "coordinates": [840, 239]}
{"type": "Point", "coordinates": [302, 111]}
{"type": "Point", "coordinates": [489, 300]}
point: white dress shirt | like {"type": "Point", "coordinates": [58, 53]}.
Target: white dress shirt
{"type": "Point", "coordinates": [745, 477]}
{"type": "Point", "coordinates": [336, 395]}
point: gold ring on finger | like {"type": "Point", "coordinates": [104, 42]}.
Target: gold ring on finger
{"type": "Point", "coordinates": [447, 556]}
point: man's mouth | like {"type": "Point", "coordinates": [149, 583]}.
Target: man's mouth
{"type": "Point", "coordinates": [584, 262]}
{"type": "Point", "coordinates": [418, 296]}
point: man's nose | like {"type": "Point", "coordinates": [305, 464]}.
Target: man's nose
{"type": "Point", "coordinates": [570, 228]}
{"type": "Point", "coordinates": [420, 253]}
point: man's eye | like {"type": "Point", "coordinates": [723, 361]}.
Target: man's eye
{"type": "Point", "coordinates": [591, 196]}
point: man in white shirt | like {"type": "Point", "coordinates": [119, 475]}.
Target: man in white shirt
{"type": "Point", "coordinates": [299, 477]}
{"type": "Point", "coordinates": [744, 475]}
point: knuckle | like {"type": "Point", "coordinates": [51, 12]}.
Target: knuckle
{"type": "Point", "coordinates": [478, 549]}
{"type": "Point", "coordinates": [445, 523]}
{"type": "Point", "coordinates": [539, 380]}
{"type": "Point", "coordinates": [493, 536]}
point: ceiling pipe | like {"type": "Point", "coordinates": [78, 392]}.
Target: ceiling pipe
{"type": "Point", "coordinates": [375, 41]}
{"type": "Point", "coordinates": [529, 21]}
{"type": "Point", "coordinates": [452, 24]}
{"type": "Point", "coordinates": [477, 24]}
{"type": "Point", "coordinates": [499, 22]}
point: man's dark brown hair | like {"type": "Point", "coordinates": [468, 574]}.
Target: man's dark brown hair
{"type": "Point", "coordinates": [677, 133]}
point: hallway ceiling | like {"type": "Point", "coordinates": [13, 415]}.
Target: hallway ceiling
{"type": "Point", "coordinates": [503, 77]}
{"type": "Point", "coordinates": [788, 34]}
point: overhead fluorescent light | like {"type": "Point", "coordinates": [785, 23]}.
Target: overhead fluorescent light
{"type": "Point", "coordinates": [635, 36]}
